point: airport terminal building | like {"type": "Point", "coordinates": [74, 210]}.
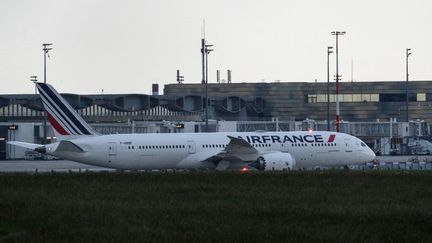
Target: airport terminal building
{"type": "Point", "coordinates": [365, 107]}
{"type": "Point", "coordinates": [359, 101]}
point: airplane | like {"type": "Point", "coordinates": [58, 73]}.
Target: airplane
{"type": "Point", "coordinates": [262, 151]}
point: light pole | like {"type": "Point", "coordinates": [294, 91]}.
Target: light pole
{"type": "Point", "coordinates": [34, 80]}
{"type": "Point", "coordinates": [407, 54]}
{"type": "Point", "coordinates": [329, 51]}
{"type": "Point", "coordinates": [46, 48]}
{"type": "Point", "coordinates": [337, 34]}
{"type": "Point", "coordinates": [207, 51]}
{"type": "Point", "coordinates": [203, 81]}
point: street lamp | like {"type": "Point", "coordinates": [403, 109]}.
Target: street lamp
{"type": "Point", "coordinates": [34, 80]}
{"type": "Point", "coordinates": [337, 34]}
{"type": "Point", "coordinates": [46, 48]}
{"type": "Point", "coordinates": [407, 54]}
{"type": "Point", "coordinates": [207, 51]}
{"type": "Point", "coordinates": [329, 51]}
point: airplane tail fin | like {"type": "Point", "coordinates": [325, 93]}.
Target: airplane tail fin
{"type": "Point", "coordinates": [66, 122]}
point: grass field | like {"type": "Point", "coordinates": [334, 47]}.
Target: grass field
{"type": "Point", "coordinates": [330, 206]}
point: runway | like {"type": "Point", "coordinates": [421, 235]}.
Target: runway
{"type": "Point", "coordinates": [35, 166]}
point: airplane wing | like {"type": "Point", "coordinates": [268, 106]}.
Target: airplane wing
{"type": "Point", "coordinates": [239, 146]}
{"type": "Point", "coordinates": [235, 154]}
{"type": "Point", "coordinates": [238, 150]}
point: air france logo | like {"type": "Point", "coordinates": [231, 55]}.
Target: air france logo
{"type": "Point", "coordinates": [331, 138]}
{"type": "Point", "coordinates": [292, 139]}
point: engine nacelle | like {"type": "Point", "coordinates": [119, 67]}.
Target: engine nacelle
{"type": "Point", "coordinates": [276, 161]}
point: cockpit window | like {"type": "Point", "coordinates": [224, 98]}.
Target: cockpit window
{"type": "Point", "coordinates": [363, 145]}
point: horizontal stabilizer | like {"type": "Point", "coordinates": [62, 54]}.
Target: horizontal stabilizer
{"type": "Point", "coordinates": [31, 146]}
{"type": "Point", "coordinates": [68, 146]}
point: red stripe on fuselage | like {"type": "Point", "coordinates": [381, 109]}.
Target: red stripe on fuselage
{"type": "Point", "coordinates": [331, 138]}
{"type": "Point", "coordinates": [56, 125]}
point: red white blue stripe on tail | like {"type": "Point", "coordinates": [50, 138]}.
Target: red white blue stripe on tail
{"type": "Point", "coordinates": [63, 118]}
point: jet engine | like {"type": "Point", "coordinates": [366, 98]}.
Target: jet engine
{"type": "Point", "coordinates": [277, 161]}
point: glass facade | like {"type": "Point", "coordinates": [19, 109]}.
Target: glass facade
{"type": "Point", "coordinates": [321, 98]}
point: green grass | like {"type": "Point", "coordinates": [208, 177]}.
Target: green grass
{"type": "Point", "coordinates": [330, 206]}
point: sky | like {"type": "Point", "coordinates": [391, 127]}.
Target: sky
{"type": "Point", "coordinates": [125, 46]}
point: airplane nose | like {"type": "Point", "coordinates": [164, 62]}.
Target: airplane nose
{"type": "Point", "coordinates": [371, 155]}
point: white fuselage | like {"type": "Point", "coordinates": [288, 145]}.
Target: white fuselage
{"type": "Point", "coordinates": [189, 150]}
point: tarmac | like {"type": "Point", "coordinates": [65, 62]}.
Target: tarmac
{"type": "Point", "coordinates": [35, 166]}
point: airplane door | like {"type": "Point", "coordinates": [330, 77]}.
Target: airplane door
{"type": "Point", "coordinates": [191, 147]}
{"type": "Point", "coordinates": [284, 148]}
{"type": "Point", "coordinates": [112, 151]}
{"type": "Point", "coordinates": [348, 145]}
